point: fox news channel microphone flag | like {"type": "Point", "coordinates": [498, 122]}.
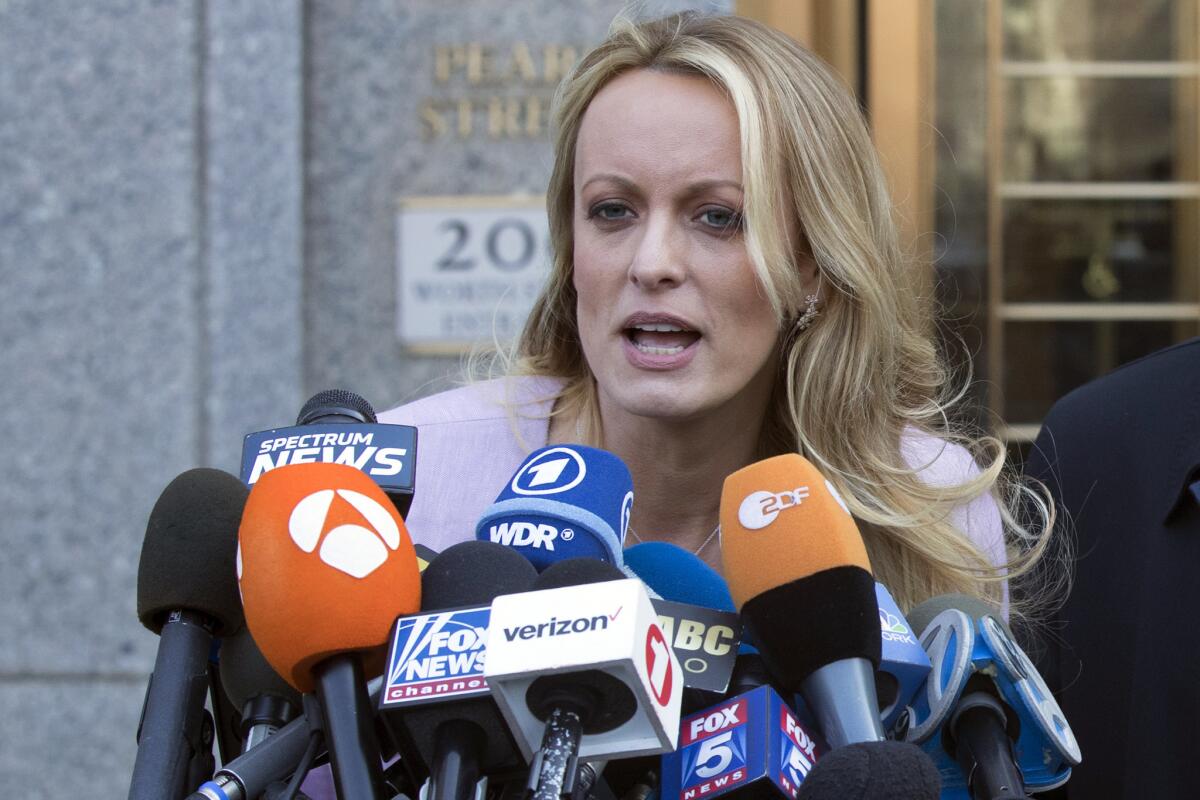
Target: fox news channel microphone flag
{"type": "Point", "coordinates": [435, 700]}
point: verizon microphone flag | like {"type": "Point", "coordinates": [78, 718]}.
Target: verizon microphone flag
{"type": "Point", "coordinates": [611, 627]}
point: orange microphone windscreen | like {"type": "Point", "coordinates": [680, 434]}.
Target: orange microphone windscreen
{"type": "Point", "coordinates": [325, 566]}
{"type": "Point", "coordinates": [782, 520]}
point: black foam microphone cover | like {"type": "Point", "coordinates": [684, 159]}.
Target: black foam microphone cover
{"type": "Point", "coordinates": [873, 771]}
{"type": "Point", "coordinates": [189, 553]}
{"type": "Point", "coordinates": [575, 572]}
{"type": "Point", "coordinates": [245, 673]}
{"type": "Point", "coordinates": [474, 573]}
{"type": "Point", "coordinates": [838, 619]}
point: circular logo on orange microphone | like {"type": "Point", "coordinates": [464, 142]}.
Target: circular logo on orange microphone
{"type": "Point", "coordinates": [759, 509]}
{"type": "Point", "coordinates": [352, 547]}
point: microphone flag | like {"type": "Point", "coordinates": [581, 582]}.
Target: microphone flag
{"type": "Point", "coordinates": [565, 501]}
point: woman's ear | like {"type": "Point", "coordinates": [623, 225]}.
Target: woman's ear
{"type": "Point", "coordinates": [810, 280]}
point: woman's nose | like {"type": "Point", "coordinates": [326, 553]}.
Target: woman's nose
{"type": "Point", "coordinates": [658, 261]}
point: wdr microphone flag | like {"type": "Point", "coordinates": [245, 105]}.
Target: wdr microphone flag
{"type": "Point", "coordinates": [565, 501]}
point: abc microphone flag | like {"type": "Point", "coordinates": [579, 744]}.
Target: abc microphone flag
{"type": "Point", "coordinates": [565, 501]}
{"type": "Point", "coordinates": [325, 566]}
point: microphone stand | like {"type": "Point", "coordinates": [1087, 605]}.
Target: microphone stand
{"type": "Point", "coordinates": [555, 763]}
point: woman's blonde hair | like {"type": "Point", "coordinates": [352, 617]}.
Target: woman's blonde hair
{"type": "Point", "coordinates": [867, 374]}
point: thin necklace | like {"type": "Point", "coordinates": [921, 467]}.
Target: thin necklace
{"type": "Point", "coordinates": [629, 529]}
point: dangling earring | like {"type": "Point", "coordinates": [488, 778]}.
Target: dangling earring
{"type": "Point", "coordinates": [805, 320]}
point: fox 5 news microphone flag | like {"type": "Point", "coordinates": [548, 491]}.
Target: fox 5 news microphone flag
{"type": "Point", "coordinates": [752, 742]}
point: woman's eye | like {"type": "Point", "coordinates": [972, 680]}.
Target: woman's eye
{"type": "Point", "coordinates": [723, 219]}
{"type": "Point", "coordinates": [608, 211]}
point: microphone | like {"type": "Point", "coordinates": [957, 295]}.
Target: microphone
{"type": "Point", "coordinates": [751, 746]}
{"type": "Point", "coordinates": [565, 501]}
{"type": "Point", "coordinates": [337, 426]}
{"type": "Point", "coordinates": [251, 774]}
{"type": "Point", "coordinates": [435, 700]}
{"type": "Point", "coordinates": [325, 567]}
{"type": "Point", "coordinates": [873, 771]}
{"type": "Point", "coordinates": [799, 572]}
{"type": "Point", "coordinates": [186, 593]}
{"type": "Point", "coordinates": [679, 575]}
{"type": "Point", "coordinates": [903, 664]}
{"type": "Point", "coordinates": [584, 669]}
{"type": "Point", "coordinates": [985, 705]}
{"type": "Point", "coordinates": [266, 701]}
{"type": "Point", "coordinates": [697, 616]}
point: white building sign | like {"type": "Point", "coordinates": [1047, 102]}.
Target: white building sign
{"type": "Point", "coordinates": [468, 269]}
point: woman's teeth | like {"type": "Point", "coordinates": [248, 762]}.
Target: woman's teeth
{"type": "Point", "coordinates": [661, 339]}
{"type": "Point", "coordinates": [659, 328]}
{"type": "Point", "coordinates": [657, 351]}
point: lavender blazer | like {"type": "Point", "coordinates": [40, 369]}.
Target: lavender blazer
{"type": "Point", "coordinates": [469, 444]}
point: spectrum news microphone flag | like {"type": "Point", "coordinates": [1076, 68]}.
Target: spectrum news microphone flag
{"type": "Point", "coordinates": [325, 566]}
{"type": "Point", "coordinates": [564, 501]}
{"type": "Point", "coordinates": [338, 427]}
{"type": "Point", "coordinates": [798, 571]}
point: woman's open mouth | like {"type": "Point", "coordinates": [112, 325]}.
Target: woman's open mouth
{"type": "Point", "coordinates": [661, 339]}
{"type": "Point", "coordinates": [659, 342]}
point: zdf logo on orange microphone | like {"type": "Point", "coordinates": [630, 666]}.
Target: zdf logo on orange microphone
{"type": "Point", "coordinates": [760, 509]}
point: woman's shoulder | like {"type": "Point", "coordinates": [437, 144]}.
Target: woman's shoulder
{"type": "Point", "coordinates": [525, 396]}
{"type": "Point", "coordinates": [469, 442]}
{"type": "Point", "coordinates": [939, 462]}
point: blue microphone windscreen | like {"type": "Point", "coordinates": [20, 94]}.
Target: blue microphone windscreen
{"type": "Point", "coordinates": [565, 501]}
{"type": "Point", "coordinates": [678, 575]}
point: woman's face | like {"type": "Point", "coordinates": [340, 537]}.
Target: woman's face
{"type": "Point", "coordinates": [672, 318]}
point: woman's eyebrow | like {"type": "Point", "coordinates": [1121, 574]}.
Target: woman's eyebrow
{"type": "Point", "coordinates": [692, 188]}
{"type": "Point", "coordinates": [620, 181]}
